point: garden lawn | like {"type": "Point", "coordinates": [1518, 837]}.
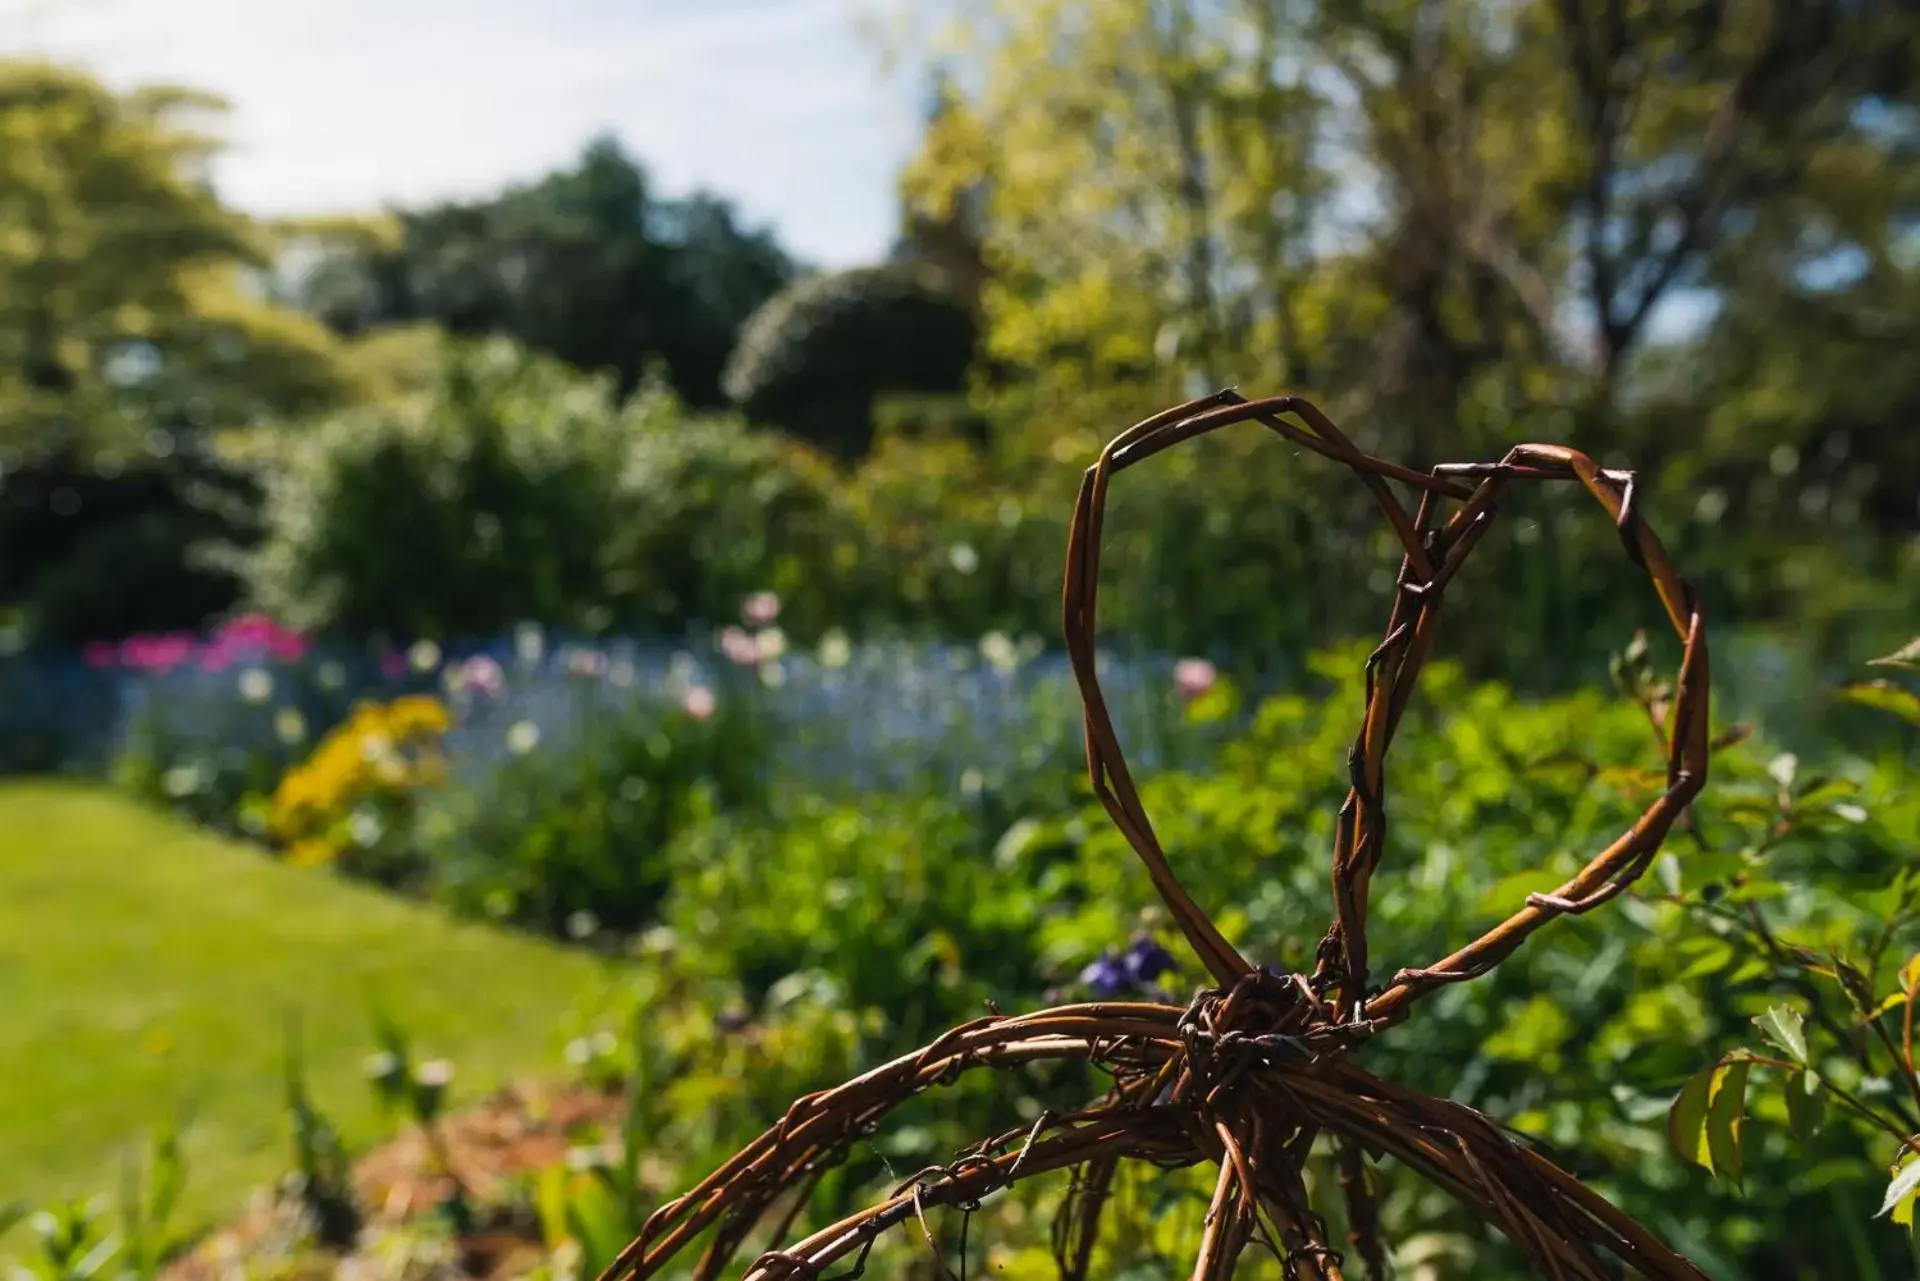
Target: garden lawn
{"type": "Point", "coordinates": [145, 965]}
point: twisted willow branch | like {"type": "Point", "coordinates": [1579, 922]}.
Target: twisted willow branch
{"type": "Point", "coordinates": [1253, 1072]}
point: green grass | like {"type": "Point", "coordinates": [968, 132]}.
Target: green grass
{"type": "Point", "coordinates": [144, 965]}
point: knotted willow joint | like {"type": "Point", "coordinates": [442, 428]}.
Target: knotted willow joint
{"type": "Point", "coordinates": [1254, 1072]}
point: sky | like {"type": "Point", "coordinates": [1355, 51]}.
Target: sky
{"type": "Point", "coordinates": [349, 105]}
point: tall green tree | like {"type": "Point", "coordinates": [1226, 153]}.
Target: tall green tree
{"type": "Point", "coordinates": [1700, 130]}
{"type": "Point", "coordinates": [126, 294]}
{"type": "Point", "coordinates": [134, 331]}
{"type": "Point", "coordinates": [586, 263]}
{"type": "Point", "coordinates": [1444, 215]}
{"type": "Point", "coordinates": [1145, 175]}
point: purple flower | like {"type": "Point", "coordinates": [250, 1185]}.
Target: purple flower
{"type": "Point", "coordinates": [1146, 961]}
{"type": "Point", "coordinates": [1134, 970]}
{"type": "Point", "coordinates": [1106, 976]}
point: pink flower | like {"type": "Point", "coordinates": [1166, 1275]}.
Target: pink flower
{"type": "Point", "coordinates": [698, 702]}
{"type": "Point", "coordinates": [248, 630]}
{"type": "Point", "coordinates": [760, 608]}
{"type": "Point", "coordinates": [739, 647]}
{"type": "Point", "coordinates": [586, 662]}
{"type": "Point", "coordinates": [158, 654]}
{"type": "Point", "coordinates": [258, 636]}
{"type": "Point", "coordinates": [483, 674]}
{"type": "Point", "coordinates": [1193, 677]}
{"type": "Point", "coordinates": [393, 664]}
{"type": "Point", "coordinates": [99, 654]}
{"type": "Point", "coordinates": [216, 658]}
{"type": "Point", "coordinates": [287, 646]}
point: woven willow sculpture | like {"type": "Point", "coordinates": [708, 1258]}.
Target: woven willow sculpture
{"type": "Point", "coordinates": [1254, 1071]}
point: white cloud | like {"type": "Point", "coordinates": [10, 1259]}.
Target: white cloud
{"type": "Point", "coordinates": [349, 104]}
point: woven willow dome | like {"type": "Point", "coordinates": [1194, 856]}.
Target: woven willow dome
{"type": "Point", "coordinates": [1251, 1074]}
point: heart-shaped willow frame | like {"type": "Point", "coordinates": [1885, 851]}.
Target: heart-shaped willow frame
{"type": "Point", "coordinates": [1253, 1072]}
{"type": "Point", "coordinates": [1435, 548]}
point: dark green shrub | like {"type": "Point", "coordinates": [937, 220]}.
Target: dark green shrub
{"type": "Point", "coordinates": [486, 501]}
{"type": "Point", "coordinates": [813, 359]}
{"type": "Point", "coordinates": [92, 551]}
{"type": "Point", "coordinates": [711, 512]}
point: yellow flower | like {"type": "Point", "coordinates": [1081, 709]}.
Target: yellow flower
{"type": "Point", "coordinates": [311, 853]}
{"type": "Point", "coordinates": [380, 749]}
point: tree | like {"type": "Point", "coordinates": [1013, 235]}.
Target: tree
{"type": "Point", "coordinates": [814, 359]}
{"type": "Point", "coordinates": [132, 334]}
{"type": "Point", "coordinates": [1694, 122]}
{"type": "Point", "coordinates": [586, 264]}
{"type": "Point", "coordinates": [1150, 182]}
{"type": "Point", "coordinates": [1453, 213]}
{"type": "Point", "coordinates": [125, 300]}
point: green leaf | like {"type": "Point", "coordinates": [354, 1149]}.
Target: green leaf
{"type": "Point", "coordinates": [1893, 1002]}
{"type": "Point", "coordinates": [1907, 656]}
{"type": "Point", "coordinates": [1901, 1191]}
{"type": "Point", "coordinates": [1806, 1104]}
{"type": "Point", "coordinates": [1687, 1120]}
{"type": "Point", "coordinates": [1885, 696]}
{"type": "Point", "coordinates": [1783, 1028]}
{"type": "Point", "coordinates": [1910, 974]}
{"type": "Point", "coordinates": [1715, 956]}
{"type": "Point", "coordinates": [1724, 1117]}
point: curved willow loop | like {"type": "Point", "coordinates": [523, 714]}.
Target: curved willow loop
{"type": "Point", "coordinates": [1434, 549]}
{"type": "Point", "coordinates": [1255, 1070]}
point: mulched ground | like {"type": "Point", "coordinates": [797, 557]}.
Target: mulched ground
{"type": "Point", "coordinates": [517, 1132]}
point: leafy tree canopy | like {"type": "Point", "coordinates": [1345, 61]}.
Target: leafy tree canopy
{"type": "Point", "coordinates": [127, 301]}
{"type": "Point", "coordinates": [587, 264]}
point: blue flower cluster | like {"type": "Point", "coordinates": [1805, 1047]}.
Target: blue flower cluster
{"type": "Point", "coordinates": [1137, 969]}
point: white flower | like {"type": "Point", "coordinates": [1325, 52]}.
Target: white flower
{"type": "Point", "coordinates": [424, 656]}
{"type": "Point", "coordinates": [999, 652]}
{"type": "Point", "coordinates": [836, 651]}
{"type": "Point", "coordinates": [332, 675]}
{"type": "Point", "coordinates": [365, 828]}
{"type": "Point", "coordinates": [772, 675]}
{"type": "Point", "coordinates": [289, 726]}
{"type": "Point", "coordinates": [963, 558]}
{"type": "Point", "coordinates": [582, 924]}
{"type": "Point", "coordinates": [522, 737]}
{"type": "Point", "coordinates": [621, 672]}
{"type": "Point", "coordinates": [256, 686]}
{"type": "Point", "coordinates": [698, 703]}
{"type": "Point", "coordinates": [1783, 767]}
{"type": "Point", "coordinates": [434, 1073]}
{"type": "Point", "coordinates": [770, 643]}
{"type": "Point", "coordinates": [182, 780]}
{"type": "Point", "coordinates": [971, 782]}
{"type": "Point", "coordinates": [528, 643]}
